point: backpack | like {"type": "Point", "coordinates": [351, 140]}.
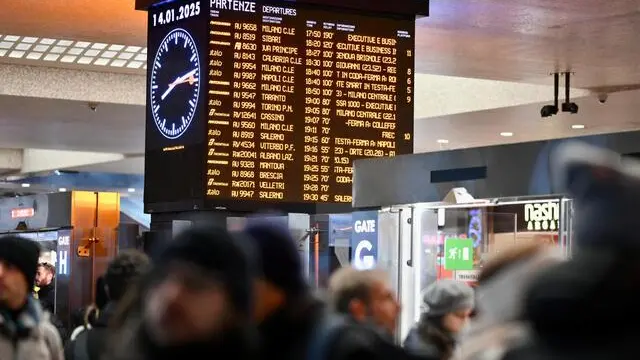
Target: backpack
{"type": "Point", "coordinates": [88, 344]}
{"type": "Point", "coordinates": [324, 336]}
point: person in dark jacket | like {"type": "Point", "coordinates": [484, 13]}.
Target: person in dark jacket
{"type": "Point", "coordinates": [286, 312]}
{"type": "Point", "coordinates": [196, 303]}
{"type": "Point", "coordinates": [586, 308]}
{"type": "Point", "coordinates": [46, 286]}
{"type": "Point", "coordinates": [123, 270]}
{"type": "Point", "coordinates": [371, 310]}
{"type": "Point", "coordinates": [449, 304]}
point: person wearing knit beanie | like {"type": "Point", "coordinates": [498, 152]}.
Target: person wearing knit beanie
{"type": "Point", "coordinates": [449, 304]}
{"type": "Point", "coordinates": [285, 310]}
{"type": "Point", "coordinates": [198, 302]}
{"type": "Point", "coordinates": [19, 263]}
{"type": "Point", "coordinates": [25, 330]}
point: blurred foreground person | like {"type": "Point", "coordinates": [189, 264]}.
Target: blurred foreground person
{"type": "Point", "coordinates": [500, 299]}
{"type": "Point", "coordinates": [365, 296]}
{"type": "Point", "coordinates": [587, 308]}
{"type": "Point", "coordinates": [449, 305]}
{"type": "Point", "coordinates": [85, 318]}
{"type": "Point", "coordinates": [285, 310]}
{"type": "Point", "coordinates": [25, 330]}
{"type": "Point", "coordinates": [370, 309]}
{"type": "Point", "coordinates": [197, 305]}
{"type": "Point", "coordinates": [122, 271]}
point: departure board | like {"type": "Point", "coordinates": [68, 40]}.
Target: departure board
{"type": "Point", "coordinates": [296, 94]}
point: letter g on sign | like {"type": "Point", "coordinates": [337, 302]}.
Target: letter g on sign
{"type": "Point", "coordinates": [363, 260]}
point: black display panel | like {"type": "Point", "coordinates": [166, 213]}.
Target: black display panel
{"type": "Point", "coordinates": [176, 104]}
{"type": "Point", "coordinates": [290, 96]}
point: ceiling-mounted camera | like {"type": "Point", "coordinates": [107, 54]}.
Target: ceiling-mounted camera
{"type": "Point", "coordinates": [550, 110]}
{"type": "Point", "coordinates": [602, 98]}
{"type": "Point", "coordinates": [567, 106]}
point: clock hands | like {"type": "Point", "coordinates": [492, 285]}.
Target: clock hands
{"type": "Point", "coordinates": [186, 78]}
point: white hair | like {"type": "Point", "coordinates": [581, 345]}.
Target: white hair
{"type": "Point", "coordinates": [348, 284]}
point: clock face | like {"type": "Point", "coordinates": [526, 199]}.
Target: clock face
{"type": "Point", "coordinates": [175, 84]}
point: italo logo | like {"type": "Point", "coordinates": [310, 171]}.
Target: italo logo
{"type": "Point", "coordinates": [364, 252]}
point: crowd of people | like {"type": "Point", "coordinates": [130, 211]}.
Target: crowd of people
{"type": "Point", "coordinates": [211, 293]}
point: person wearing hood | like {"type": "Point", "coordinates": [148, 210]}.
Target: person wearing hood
{"type": "Point", "coordinates": [502, 284]}
{"type": "Point", "coordinates": [286, 311]}
{"type": "Point", "coordinates": [587, 308]}
{"type": "Point", "coordinates": [197, 304]}
{"type": "Point", "coordinates": [122, 271]}
{"type": "Point", "coordinates": [449, 304]}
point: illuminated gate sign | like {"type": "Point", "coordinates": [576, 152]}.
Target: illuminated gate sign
{"type": "Point", "coordinates": [542, 216]}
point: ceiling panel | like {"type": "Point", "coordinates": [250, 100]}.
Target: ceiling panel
{"type": "Point", "coordinates": [70, 125]}
{"type": "Point", "coordinates": [483, 128]}
{"type": "Point", "coordinates": [525, 40]}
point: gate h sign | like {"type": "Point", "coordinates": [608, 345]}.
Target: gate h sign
{"type": "Point", "coordinates": [458, 254]}
{"type": "Point", "coordinates": [364, 239]}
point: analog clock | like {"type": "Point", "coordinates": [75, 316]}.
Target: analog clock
{"type": "Point", "coordinates": [175, 83]}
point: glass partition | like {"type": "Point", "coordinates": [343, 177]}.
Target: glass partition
{"type": "Point", "coordinates": [454, 243]}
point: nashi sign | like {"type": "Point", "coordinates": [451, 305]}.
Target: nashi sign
{"type": "Point", "coordinates": [543, 216]}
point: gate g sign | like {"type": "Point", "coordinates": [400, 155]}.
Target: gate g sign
{"type": "Point", "coordinates": [364, 239]}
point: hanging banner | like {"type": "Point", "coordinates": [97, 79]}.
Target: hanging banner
{"type": "Point", "coordinates": [364, 239]}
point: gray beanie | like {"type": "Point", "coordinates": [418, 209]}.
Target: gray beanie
{"type": "Point", "coordinates": [447, 296]}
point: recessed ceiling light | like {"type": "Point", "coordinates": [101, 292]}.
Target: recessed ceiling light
{"type": "Point", "coordinates": [92, 52]}
{"type": "Point", "coordinates": [82, 44]}
{"type": "Point", "coordinates": [125, 56]}
{"type": "Point", "coordinates": [506, 134]}
{"type": "Point", "coordinates": [2, 52]}
{"type": "Point", "coordinates": [131, 190]}
{"type": "Point", "coordinates": [134, 65]}
{"type": "Point", "coordinates": [116, 47]}
{"type": "Point", "coordinates": [41, 48]}
{"type": "Point", "coordinates": [51, 57]}
{"type": "Point", "coordinates": [118, 63]}
{"type": "Point", "coordinates": [443, 141]}
{"type": "Point", "coordinates": [23, 46]}
{"type": "Point", "coordinates": [16, 54]}
{"type": "Point", "coordinates": [75, 51]}
{"type": "Point", "coordinates": [29, 39]}
{"type": "Point", "coordinates": [11, 38]}
{"type": "Point", "coordinates": [47, 41]}
{"type": "Point", "coordinates": [101, 62]}
{"type": "Point", "coordinates": [5, 45]}
{"type": "Point", "coordinates": [68, 59]}
{"type": "Point", "coordinates": [99, 46]}
{"type": "Point", "coordinates": [65, 43]}
{"type": "Point", "coordinates": [57, 50]}
{"type": "Point", "coordinates": [62, 189]}
{"type": "Point", "coordinates": [34, 56]}
{"type": "Point", "coordinates": [141, 57]}
{"type": "Point", "coordinates": [85, 60]}
{"type": "Point", "coordinates": [577, 126]}
{"type": "Point", "coordinates": [25, 185]}
{"type": "Point", "coordinates": [133, 48]}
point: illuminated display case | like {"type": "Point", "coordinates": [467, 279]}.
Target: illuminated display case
{"type": "Point", "coordinates": [453, 241]}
